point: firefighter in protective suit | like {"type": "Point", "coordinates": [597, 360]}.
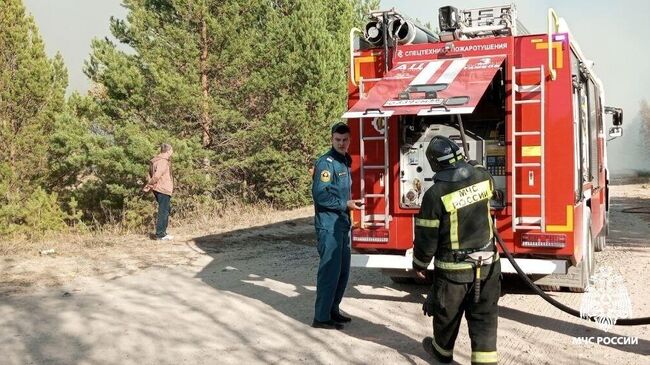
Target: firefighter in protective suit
{"type": "Point", "coordinates": [454, 225]}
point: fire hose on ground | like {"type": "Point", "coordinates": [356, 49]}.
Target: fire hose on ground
{"type": "Point", "coordinates": [555, 303]}
{"type": "Point", "coordinates": [533, 286]}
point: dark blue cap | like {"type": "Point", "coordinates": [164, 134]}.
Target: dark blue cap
{"type": "Point", "coordinates": [340, 128]}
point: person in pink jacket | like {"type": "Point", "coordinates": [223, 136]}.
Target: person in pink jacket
{"type": "Point", "coordinates": [162, 184]}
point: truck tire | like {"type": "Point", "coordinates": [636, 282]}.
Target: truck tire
{"type": "Point", "coordinates": [550, 287]}
{"type": "Point", "coordinates": [601, 240]}
{"type": "Point", "coordinates": [588, 263]}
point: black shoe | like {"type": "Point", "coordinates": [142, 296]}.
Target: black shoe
{"type": "Point", "coordinates": [338, 317]}
{"type": "Point", "coordinates": [329, 325]}
{"type": "Point", "coordinates": [427, 343]}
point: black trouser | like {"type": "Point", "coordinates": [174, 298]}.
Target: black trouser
{"type": "Point", "coordinates": [163, 213]}
{"type": "Point", "coordinates": [451, 300]}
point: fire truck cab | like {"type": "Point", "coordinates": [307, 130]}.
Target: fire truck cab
{"type": "Point", "coordinates": [528, 107]}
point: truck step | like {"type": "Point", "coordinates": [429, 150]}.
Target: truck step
{"type": "Point", "coordinates": [532, 88]}
{"type": "Point", "coordinates": [528, 221]}
{"type": "Point", "coordinates": [381, 138]}
{"type": "Point", "coordinates": [374, 218]}
{"type": "Point", "coordinates": [531, 101]}
{"type": "Point", "coordinates": [527, 196]}
{"type": "Point", "coordinates": [529, 69]}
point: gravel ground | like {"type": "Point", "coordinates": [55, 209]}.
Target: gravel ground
{"type": "Point", "coordinates": [245, 296]}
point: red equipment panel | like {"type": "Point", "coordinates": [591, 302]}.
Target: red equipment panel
{"type": "Point", "coordinates": [416, 86]}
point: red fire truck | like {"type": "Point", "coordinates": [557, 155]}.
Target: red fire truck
{"type": "Point", "coordinates": [528, 107]}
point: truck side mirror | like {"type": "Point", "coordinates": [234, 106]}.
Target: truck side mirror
{"type": "Point", "coordinates": [617, 115]}
{"type": "Point", "coordinates": [615, 132]}
{"type": "Point", "coordinates": [617, 118]}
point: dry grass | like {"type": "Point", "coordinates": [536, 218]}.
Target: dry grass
{"type": "Point", "coordinates": [237, 217]}
{"type": "Point", "coordinates": [112, 252]}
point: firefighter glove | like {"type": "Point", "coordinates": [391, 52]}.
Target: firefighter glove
{"type": "Point", "coordinates": [427, 307]}
{"type": "Point", "coordinates": [497, 195]}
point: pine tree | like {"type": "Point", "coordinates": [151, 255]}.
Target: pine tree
{"type": "Point", "coordinates": [250, 86]}
{"type": "Point", "coordinates": [32, 89]}
{"type": "Point", "coordinates": [99, 167]}
{"type": "Point", "coordinates": [189, 58]}
{"type": "Point", "coordinates": [361, 10]}
{"type": "Point", "coordinates": [258, 81]}
{"type": "Point", "coordinates": [303, 89]}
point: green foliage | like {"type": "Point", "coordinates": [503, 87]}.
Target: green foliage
{"type": "Point", "coordinates": [259, 89]}
{"type": "Point", "coordinates": [103, 166]}
{"type": "Point", "coordinates": [75, 216]}
{"type": "Point", "coordinates": [32, 89]}
{"type": "Point", "coordinates": [139, 213]}
{"type": "Point", "coordinates": [361, 10]}
{"type": "Point", "coordinates": [41, 213]}
{"type": "Point", "coordinates": [279, 177]}
{"type": "Point", "coordinates": [37, 214]}
{"type": "Point", "coordinates": [245, 92]}
{"type": "Point", "coordinates": [305, 85]}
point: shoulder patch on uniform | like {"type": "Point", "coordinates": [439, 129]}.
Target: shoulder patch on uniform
{"type": "Point", "coordinates": [329, 159]}
{"type": "Point", "coordinates": [325, 176]}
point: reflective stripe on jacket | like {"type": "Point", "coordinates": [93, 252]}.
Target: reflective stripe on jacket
{"type": "Point", "coordinates": [453, 217]}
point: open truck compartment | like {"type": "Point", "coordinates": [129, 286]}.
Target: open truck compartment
{"type": "Point", "coordinates": [530, 109]}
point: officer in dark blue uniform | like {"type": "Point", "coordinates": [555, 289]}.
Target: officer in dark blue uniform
{"type": "Point", "coordinates": [331, 193]}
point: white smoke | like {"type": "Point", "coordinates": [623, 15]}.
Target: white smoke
{"type": "Point", "coordinates": [628, 155]}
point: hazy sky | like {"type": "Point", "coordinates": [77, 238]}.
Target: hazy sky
{"type": "Point", "coordinates": [615, 35]}
{"type": "Point", "coordinates": [68, 26]}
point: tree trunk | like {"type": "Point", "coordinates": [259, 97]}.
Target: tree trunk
{"type": "Point", "coordinates": [206, 120]}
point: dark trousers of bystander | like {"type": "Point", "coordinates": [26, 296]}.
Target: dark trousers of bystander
{"type": "Point", "coordinates": [162, 219]}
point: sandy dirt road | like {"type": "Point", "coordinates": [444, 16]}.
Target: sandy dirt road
{"type": "Point", "coordinates": [246, 296]}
